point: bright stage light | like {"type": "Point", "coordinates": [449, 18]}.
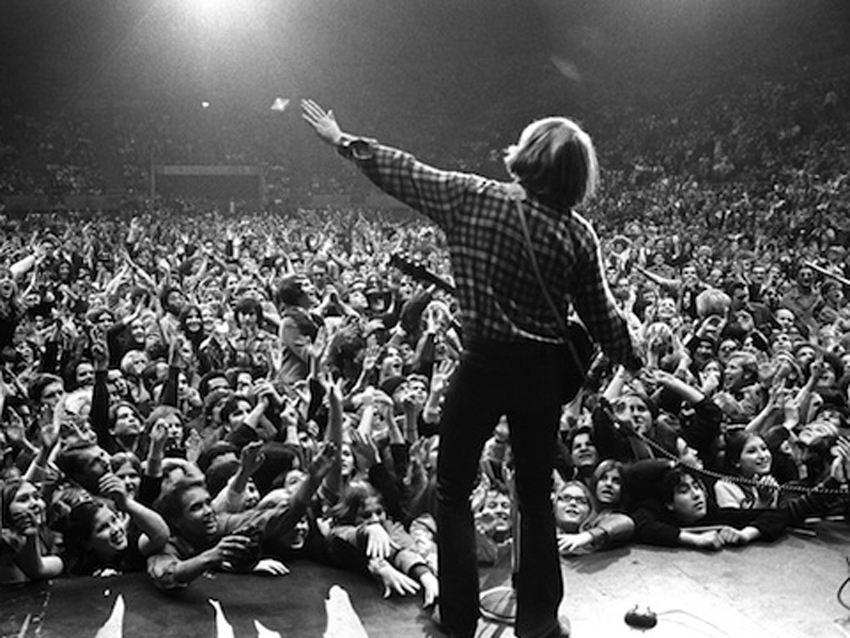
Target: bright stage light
{"type": "Point", "coordinates": [218, 13]}
{"type": "Point", "coordinates": [212, 7]}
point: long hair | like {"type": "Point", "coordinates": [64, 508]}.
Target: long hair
{"type": "Point", "coordinates": [195, 338]}
{"type": "Point", "coordinates": [76, 534]}
{"type": "Point", "coordinates": [170, 502]}
{"type": "Point", "coordinates": [735, 443]}
{"type": "Point", "coordinates": [605, 466]}
{"type": "Point", "coordinates": [345, 512]}
{"type": "Point", "coordinates": [555, 160]}
{"type": "Point", "coordinates": [11, 541]}
{"type": "Point", "coordinates": [14, 308]}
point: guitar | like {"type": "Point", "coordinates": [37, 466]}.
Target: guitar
{"type": "Point", "coordinates": [420, 273]}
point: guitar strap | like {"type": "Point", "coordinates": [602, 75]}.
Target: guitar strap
{"type": "Point", "coordinates": [562, 324]}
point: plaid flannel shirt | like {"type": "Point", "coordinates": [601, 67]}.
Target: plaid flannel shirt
{"type": "Point", "coordinates": [498, 293]}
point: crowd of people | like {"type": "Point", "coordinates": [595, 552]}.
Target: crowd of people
{"type": "Point", "coordinates": [184, 393]}
{"type": "Point", "coordinates": [222, 393]}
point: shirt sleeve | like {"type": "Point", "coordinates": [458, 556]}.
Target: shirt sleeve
{"type": "Point", "coordinates": [728, 494]}
{"type": "Point", "coordinates": [611, 530]}
{"type": "Point", "coordinates": [436, 193]}
{"type": "Point", "coordinates": [596, 307]}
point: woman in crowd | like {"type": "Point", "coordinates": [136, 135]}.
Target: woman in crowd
{"type": "Point", "coordinates": [115, 535]}
{"type": "Point", "coordinates": [582, 528]}
{"type": "Point", "coordinates": [357, 518]}
{"type": "Point", "coordinates": [192, 327]}
{"type": "Point", "coordinates": [607, 485]}
{"type": "Point", "coordinates": [26, 545]}
{"type": "Point", "coordinates": [748, 457]}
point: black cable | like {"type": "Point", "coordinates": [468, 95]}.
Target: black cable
{"type": "Point", "coordinates": [840, 590]}
{"type": "Point", "coordinates": [842, 586]}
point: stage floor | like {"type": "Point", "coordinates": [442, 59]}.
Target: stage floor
{"type": "Point", "coordinates": [787, 589]}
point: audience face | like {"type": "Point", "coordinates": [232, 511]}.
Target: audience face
{"type": "Point", "coordinates": [725, 349]}
{"type": "Point", "coordinates": [621, 288]}
{"type": "Point", "coordinates": [244, 382]}
{"type": "Point", "coordinates": [755, 458]}
{"type": "Point", "coordinates": [584, 453]}
{"type": "Point", "coordinates": [805, 355]}
{"type": "Point", "coordinates": [293, 479]}
{"type": "Point", "coordinates": [237, 417]}
{"type": "Point", "coordinates": [193, 321]}
{"type": "Point", "coordinates": [782, 342]}
{"type": "Point", "coordinates": [252, 494]}
{"type": "Point", "coordinates": [130, 476]}
{"type": "Point", "coordinates": [346, 460]}
{"type": "Point", "coordinates": [494, 516]}
{"type": "Point", "coordinates": [572, 507]}
{"type": "Point", "coordinates": [751, 346]}
{"type": "Point", "coordinates": [805, 278]}
{"type": "Point", "coordinates": [827, 378]}
{"type": "Point", "coordinates": [208, 319]}
{"type": "Point", "coordinates": [687, 454]}
{"type": "Point", "coordinates": [135, 362]}
{"type": "Point", "coordinates": [715, 278]}
{"type": "Point", "coordinates": [138, 331]}
{"type": "Point", "coordinates": [27, 507]}
{"type": "Point", "coordinates": [609, 488]}
{"type": "Point", "coordinates": [52, 393]}
{"type": "Point", "coordinates": [84, 374]}
{"type": "Point", "coordinates": [703, 353]}
{"type": "Point", "coordinates": [690, 501]}
{"type": "Point", "coordinates": [117, 384]}
{"type": "Point", "coordinates": [246, 320]}
{"type": "Point", "coordinates": [297, 538]}
{"type": "Point", "coordinates": [371, 511]}
{"type": "Point", "coordinates": [734, 375]}
{"type": "Point", "coordinates": [649, 296]}
{"type": "Point", "coordinates": [785, 318]}
{"type": "Point", "coordinates": [109, 536]}
{"type": "Point", "coordinates": [633, 410]}
{"type": "Point", "coordinates": [689, 276]}
{"type": "Point", "coordinates": [197, 519]}
{"type": "Point", "coordinates": [740, 297]}
{"type": "Point", "coordinates": [357, 300]}
{"type": "Point", "coordinates": [127, 422]}
{"type": "Point", "coordinates": [392, 365]}
{"type": "Point", "coordinates": [93, 463]}
{"type": "Point", "coordinates": [173, 427]}
{"type": "Point", "coordinates": [666, 309]}
{"type": "Point", "coordinates": [174, 302]}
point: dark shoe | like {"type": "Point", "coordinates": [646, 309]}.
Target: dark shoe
{"type": "Point", "coordinates": [561, 631]}
{"type": "Point", "coordinates": [437, 621]}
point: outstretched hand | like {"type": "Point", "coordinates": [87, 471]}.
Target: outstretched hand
{"type": "Point", "coordinates": [323, 122]}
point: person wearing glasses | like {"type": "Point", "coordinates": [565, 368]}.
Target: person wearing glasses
{"type": "Point", "coordinates": [582, 527]}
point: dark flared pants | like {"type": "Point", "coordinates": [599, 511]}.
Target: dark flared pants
{"type": "Point", "coordinates": [520, 381]}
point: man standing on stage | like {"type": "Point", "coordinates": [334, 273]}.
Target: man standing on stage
{"type": "Point", "coordinates": [512, 340]}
